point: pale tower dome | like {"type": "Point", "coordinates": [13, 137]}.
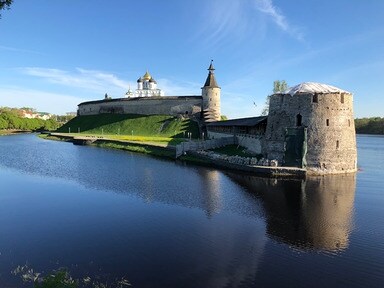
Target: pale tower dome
{"type": "Point", "coordinates": [211, 97]}
{"type": "Point", "coordinates": [129, 93]}
{"type": "Point", "coordinates": [147, 86]}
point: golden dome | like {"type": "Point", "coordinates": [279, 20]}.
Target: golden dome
{"type": "Point", "coordinates": [147, 76]}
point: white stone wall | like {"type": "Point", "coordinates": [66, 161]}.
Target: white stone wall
{"type": "Point", "coordinates": [251, 142]}
{"type": "Point", "coordinates": [203, 145]}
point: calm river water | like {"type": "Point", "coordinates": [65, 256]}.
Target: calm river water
{"type": "Point", "coordinates": [110, 214]}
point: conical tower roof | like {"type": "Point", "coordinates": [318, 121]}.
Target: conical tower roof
{"type": "Point", "coordinates": [211, 80]}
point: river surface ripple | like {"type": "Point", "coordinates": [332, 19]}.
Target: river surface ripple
{"type": "Point", "coordinates": [110, 214]}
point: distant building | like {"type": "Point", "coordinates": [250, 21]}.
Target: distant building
{"type": "Point", "coordinates": [150, 100]}
{"type": "Point", "coordinates": [35, 115]}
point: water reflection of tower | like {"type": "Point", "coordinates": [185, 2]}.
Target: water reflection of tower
{"type": "Point", "coordinates": [211, 197]}
{"type": "Point", "coordinates": [329, 210]}
{"type": "Point", "coordinates": [315, 213]}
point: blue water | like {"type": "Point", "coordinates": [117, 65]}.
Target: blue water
{"type": "Point", "coordinates": [110, 214]}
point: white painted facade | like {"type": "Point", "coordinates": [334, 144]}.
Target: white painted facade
{"type": "Point", "coordinates": [146, 87]}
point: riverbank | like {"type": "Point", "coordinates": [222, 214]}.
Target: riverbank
{"type": "Point", "coordinates": [166, 150]}
{"type": "Point", "coordinates": [13, 131]}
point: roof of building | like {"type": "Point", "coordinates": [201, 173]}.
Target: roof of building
{"type": "Point", "coordinates": [152, 98]}
{"type": "Point", "coordinates": [211, 80]}
{"type": "Point", "coordinates": [312, 88]}
{"type": "Point", "coordinates": [147, 76]}
{"type": "Point", "coordinates": [250, 121]}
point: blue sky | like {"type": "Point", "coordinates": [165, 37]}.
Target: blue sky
{"type": "Point", "coordinates": [56, 54]}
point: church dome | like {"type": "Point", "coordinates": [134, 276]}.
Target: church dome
{"type": "Point", "coordinates": [147, 76]}
{"type": "Point", "coordinates": [139, 80]}
{"type": "Point", "coordinates": [152, 80]}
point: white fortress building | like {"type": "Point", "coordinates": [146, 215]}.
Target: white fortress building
{"type": "Point", "coordinates": [150, 100]}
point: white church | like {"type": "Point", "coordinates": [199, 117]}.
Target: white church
{"type": "Point", "coordinates": [146, 87]}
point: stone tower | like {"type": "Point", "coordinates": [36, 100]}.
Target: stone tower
{"type": "Point", "coordinates": [211, 97]}
{"type": "Point", "coordinates": [312, 126]}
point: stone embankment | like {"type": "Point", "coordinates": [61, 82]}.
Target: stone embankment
{"type": "Point", "coordinates": [249, 164]}
{"type": "Point", "coordinates": [239, 160]}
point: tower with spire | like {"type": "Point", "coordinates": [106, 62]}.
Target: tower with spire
{"type": "Point", "coordinates": [211, 97]}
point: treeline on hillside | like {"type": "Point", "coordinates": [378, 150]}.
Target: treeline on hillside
{"type": "Point", "coordinates": [373, 125]}
{"type": "Point", "coordinates": [10, 119]}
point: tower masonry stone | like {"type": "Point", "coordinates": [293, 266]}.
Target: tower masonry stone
{"type": "Point", "coordinates": [325, 114]}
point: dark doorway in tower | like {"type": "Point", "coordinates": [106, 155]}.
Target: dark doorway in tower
{"type": "Point", "coordinates": [295, 147]}
{"type": "Point", "coordinates": [299, 118]}
{"type": "Point", "coordinates": [186, 112]}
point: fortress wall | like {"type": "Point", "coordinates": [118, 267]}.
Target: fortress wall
{"type": "Point", "coordinates": [252, 143]}
{"type": "Point", "coordinates": [146, 106]}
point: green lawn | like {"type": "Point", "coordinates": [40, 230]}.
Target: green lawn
{"type": "Point", "coordinates": [131, 125]}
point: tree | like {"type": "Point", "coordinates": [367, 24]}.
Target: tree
{"type": "Point", "coordinates": [278, 86]}
{"type": "Point", "coordinates": [5, 4]}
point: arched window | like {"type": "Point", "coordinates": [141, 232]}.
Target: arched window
{"type": "Point", "coordinates": [299, 119]}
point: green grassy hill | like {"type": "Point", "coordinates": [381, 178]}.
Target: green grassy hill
{"type": "Point", "coordinates": [129, 124]}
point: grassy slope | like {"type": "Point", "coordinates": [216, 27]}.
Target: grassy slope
{"type": "Point", "coordinates": [128, 124]}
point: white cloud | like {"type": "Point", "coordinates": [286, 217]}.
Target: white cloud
{"type": "Point", "coordinates": [40, 100]}
{"type": "Point", "coordinates": [92, 80]}
{"type": "Point", "coordinates": [232, 21]}
{"type": "Point", "coordinates": [13, 49]}
{"type": "Point", "coordinates": [267, 7]}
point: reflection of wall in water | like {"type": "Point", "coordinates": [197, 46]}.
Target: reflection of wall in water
{"type": "Point", "coordinates": [312, 213]}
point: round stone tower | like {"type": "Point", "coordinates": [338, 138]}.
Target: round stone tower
{"type": "Point", "coordinates": [311, 125]}
{"type": "Point", "coordinates": [211, 97]}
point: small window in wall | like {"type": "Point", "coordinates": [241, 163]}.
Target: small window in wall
{"type": "Point", "coordinates": [327, 121]}
{"type": "Point", "coordinates": [210, 99]}
{"type": "Point", "coordinates": [315, 98]}
{"type": "Point", "coordinates": [342, 98]}
{"type": "Point", "coordinates": [186, 112]}
{"type": "Point", "coordinates": [337, 144]}
{"type": "Point", "coordinates": [299, 119]}
{"type": "Point", "coordinates": [349, 123]}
